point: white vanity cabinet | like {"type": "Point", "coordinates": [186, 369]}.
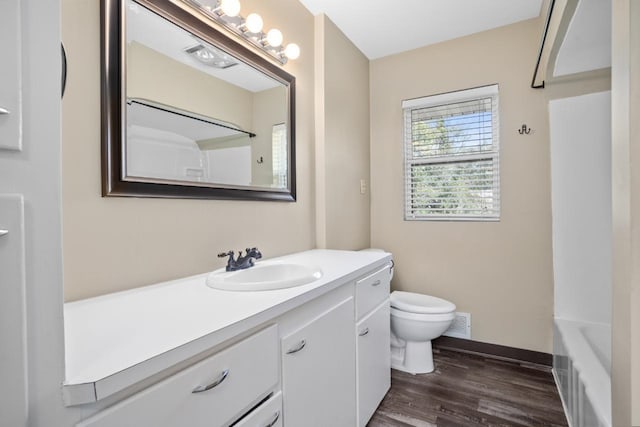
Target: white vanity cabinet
{"type": "Point", "coordinates": [310, 356]}
{"type": "Point", "coordinates": [214, 392]}
{"type": "Point", "coordinates": [268, 414]}
{"type": "Point", "coordinates": [318, 370]}
{"type": "Point", "coordinates": [372, 342]}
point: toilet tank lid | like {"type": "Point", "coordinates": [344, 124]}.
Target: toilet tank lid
{"type": "Point", "coordinates": [419, 303]}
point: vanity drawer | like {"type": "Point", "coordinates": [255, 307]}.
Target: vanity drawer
{"type": "Point", "coordinates": [269, 414]}
{"type": "Point", "coordinates": [372, 290]}
{"type": "Point", "coordinates": [244, 373]}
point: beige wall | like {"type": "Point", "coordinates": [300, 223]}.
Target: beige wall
{"type": "Point", "coordinates": [185, 87]}
{"type": "Point", "coordinates": [625, 102]}
{"type": "Point", "coordinates": [268, 110]}
{"type": "Point", "coordinates": [119, 243]}
{"type": "Point", "coordinates": [500, 272]}
{"type": "Point", "coordinates": [342, 135]}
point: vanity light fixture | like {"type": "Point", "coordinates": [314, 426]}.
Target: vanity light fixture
{"type": "Point", "coordinates": [230, 8]}
{"type": "Point", "coordinates": [274, 38]}
{"type": "Point", "coordinates": [254, 23]}
{"type": "Point", "coordinates": [227, 14]}
{"type": "Point", "coordinates": [292, 51]}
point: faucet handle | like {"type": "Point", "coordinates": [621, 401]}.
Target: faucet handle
{"type": "Point", "coordinates": [257, 254]}
{"type": "Point", "coordinates": [224, 254]}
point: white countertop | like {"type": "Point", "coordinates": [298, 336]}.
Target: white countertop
{"type": "Point", "coordinates": [116, 340]}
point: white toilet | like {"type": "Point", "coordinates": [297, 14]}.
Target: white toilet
{"type": "Point", "coordinates": [416, 319]}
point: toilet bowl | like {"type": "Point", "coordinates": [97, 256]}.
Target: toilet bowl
{"type": "Point", "coordinates": [416, 319]}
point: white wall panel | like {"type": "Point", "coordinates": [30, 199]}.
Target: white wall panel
{"type": "Point", "coordinates": [581, 206]}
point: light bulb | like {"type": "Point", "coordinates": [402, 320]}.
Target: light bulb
{"type": "Point", "coordinates": [230, 8]}
{"type": "Point", "coordinates": [254, 23]}
{"type": "Point", "coordinates": [274, 38]}
{"type": "Point", "coordinates": [292, 51]}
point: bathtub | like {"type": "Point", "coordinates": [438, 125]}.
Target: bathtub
{"type": "Point", "coordinates": [582, 370]}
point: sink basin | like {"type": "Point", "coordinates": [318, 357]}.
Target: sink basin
{"type": "Point", "coordinates": [264, 276]}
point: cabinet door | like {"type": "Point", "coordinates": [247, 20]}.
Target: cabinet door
{"type": "Point", "coordinates": [374, 361]}
{"type": "Point", "coordinates": [318, 371]}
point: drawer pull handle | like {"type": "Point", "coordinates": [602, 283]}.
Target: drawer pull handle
{"type": "Point", "coordinates": [215, 383]}
{"type": "Point", "coordinates": [376, 283]}
{"type": "Point", "coordinates": [4, 111]}
{"type": "Point", "coordinates": [274, 420]}
{"type": "Point", "coordinates": [364, 332]}
{"type": "Point", "coordinates": [299, 347]}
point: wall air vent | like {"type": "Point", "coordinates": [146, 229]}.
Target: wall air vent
{"type": "Point", "coordinates": [460, 327]}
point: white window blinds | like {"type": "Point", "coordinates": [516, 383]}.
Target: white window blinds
{"type": "Point", "coordinates": [452, 156]}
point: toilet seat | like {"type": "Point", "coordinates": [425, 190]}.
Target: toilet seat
{"type": "Point", "coordinates": [423, 317]}
{"type": "Point", "coordinates": [410, 302]}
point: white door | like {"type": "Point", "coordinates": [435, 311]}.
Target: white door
{"type": "Point", "coordinates": [31, 325]}
{"type": "Point", "coordinates": [13, 369]}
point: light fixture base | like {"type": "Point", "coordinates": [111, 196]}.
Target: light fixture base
{"type": "Point", "coordinates": [237, 26]}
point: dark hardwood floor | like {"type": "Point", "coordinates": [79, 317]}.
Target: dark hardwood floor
{"type": "Point", "coordinates": [471, 390]}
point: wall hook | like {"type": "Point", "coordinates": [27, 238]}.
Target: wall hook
{"type": "Point", "coordinates": [260, 161]}
{"type": "Point", "coordinates": [524, 130]}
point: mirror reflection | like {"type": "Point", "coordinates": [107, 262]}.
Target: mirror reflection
{"type": "Point", "coordinates": [196, 115]}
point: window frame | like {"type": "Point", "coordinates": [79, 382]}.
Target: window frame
{"type": "Point", "coordinates": [441, 100]}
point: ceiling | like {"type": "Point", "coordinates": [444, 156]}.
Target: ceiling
{"type": "Point", "coordinates": [381, 28]}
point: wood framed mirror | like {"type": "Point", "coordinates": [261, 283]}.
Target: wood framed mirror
{"type": "Point", "coordinates": [190, 112]}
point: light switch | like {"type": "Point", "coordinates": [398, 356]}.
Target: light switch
{"type": "Point", "coordinates": [363, 186]}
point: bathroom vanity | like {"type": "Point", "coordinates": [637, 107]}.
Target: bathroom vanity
{"type": "Point", "coordinates": [182, 353]}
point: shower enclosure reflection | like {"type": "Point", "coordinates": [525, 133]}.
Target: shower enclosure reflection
{"type": "Point", "coordinates": [169, 144]}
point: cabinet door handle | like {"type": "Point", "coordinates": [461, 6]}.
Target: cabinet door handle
{"type": "Point", "coordinates": [215, 383]}
{"type": "Point", "coordinates": [4, 111]}
{"type": "Point", "coordinates": [274, 420]}
{"type": "Point", "coordinates": [364, 332]}
{"type": "Point", "coordinates": [376, 283]}
{"type": "Point", "coordinates": [299, 347]}
{"type": "Point", "coordinates": [3, 232]}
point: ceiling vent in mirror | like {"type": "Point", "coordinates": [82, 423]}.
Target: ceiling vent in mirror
{"type": "Point", "coordinates": [211, 56]}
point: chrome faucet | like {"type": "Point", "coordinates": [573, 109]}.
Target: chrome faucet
{"type": "Point", "coordinates": [242, 262]}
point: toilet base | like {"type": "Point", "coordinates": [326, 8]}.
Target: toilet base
{"type": "Point", "coordinates": [414, 358]}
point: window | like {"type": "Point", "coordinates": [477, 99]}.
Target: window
{"type": "Point", "coordinates": [279, 153]}
{"type": "Point", "coordinates": [451, 156]}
